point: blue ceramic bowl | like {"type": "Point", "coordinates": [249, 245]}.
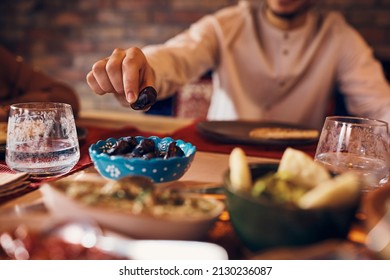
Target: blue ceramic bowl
{"type": "Point", "coordinates": [159, 170]}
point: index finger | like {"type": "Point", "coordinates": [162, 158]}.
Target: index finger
{"type": "Point", "coordinates": [132, 68]}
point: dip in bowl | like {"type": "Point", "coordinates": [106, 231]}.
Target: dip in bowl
{"type": "Point", "coordinates": [147, 212]}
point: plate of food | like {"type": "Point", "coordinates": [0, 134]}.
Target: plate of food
{"type": "Point", "coordinates": [133, 206]}
{"type": "Point", "coordinates": [257, 133]}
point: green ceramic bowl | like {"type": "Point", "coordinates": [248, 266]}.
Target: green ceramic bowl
{"type": "Point", "coordinates": [261, 224]}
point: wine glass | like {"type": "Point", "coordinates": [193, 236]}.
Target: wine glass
{"type": "Point", "coordinates": [42, 139]}
{"type": "Point", "coordinates": [356, 144]}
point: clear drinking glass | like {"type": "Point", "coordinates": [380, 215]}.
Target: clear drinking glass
{"type": "Point", "coordinates": [42, 139]}
{"type": "Point", "coordinates": [356, 144]}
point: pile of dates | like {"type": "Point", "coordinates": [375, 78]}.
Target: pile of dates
{"type": "Point", "coordinates": [145, 149]}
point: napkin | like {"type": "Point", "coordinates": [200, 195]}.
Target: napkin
{"type": "Point", "coordinates": [12, 183]}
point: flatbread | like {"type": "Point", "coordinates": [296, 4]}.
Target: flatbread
{"type": "Point", "coordinates": [3, 132]}
{"type": "Point", "coordinates": [283, 133]}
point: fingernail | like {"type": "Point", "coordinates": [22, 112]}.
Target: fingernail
{"type": "Point", "coordinates": [130, 97]}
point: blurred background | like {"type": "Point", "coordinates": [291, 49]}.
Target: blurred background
{"type": "Point", "coordinates": [65, 37]}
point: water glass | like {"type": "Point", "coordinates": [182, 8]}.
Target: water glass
{"type": "Point", "coordinates": [42, 139]}
{"type": "Point", "coordinates": [356, 144]}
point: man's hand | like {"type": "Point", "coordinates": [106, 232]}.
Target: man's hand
{"type": "Point", "coordinates": [124, 73]}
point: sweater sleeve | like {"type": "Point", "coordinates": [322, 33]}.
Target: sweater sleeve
{"type": "Point", "coordinates": [26, 84]}
{"type": "Point", "coordinates": [361, 77]}
{"type": "Point", "coordinates": [185, 57]}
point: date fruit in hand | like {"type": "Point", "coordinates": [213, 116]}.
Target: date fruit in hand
{"type": "Point", "coordinates": [146, 98]}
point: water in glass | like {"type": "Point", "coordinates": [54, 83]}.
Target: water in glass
{"type": "Point", "coordinates": [42, 139]}
{"type": "Point", "coordinates": [356, 144]}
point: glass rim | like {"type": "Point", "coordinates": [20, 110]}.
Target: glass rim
{"type": "Point", "coordinates": [362, 121]}
{"type": "Point", "coordinates": [40, 105]}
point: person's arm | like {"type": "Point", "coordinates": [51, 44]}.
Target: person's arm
{"type": "Point", "coordinates": [4, 111]}
{"type": "Point", "coordinates": [37, 86]}
{"type": "Point", "coordinates": [361, 78]}
{"type": "Point", "coordinates": [186, 57]}
{"type": "Point", "coordinates": [22, 83]}
{"type": "Point", "coordinates": [167, 66]}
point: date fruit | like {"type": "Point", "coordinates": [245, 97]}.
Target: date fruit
{"type": "Point", "coordinates": [146, 98]}
{"type": "Point", "coordinates": [145, 149]}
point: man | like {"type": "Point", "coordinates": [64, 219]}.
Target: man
{"type": "Point", "coordinates": [20, 82]}
{"type": "Point", "coordinates": [279, 60]}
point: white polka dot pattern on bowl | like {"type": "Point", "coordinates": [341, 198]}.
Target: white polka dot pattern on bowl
{"type": "Point", "coordinates": [158, 169]}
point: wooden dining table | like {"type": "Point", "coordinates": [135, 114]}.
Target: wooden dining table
{"type": "Point", "coordinates": [208, 167]}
